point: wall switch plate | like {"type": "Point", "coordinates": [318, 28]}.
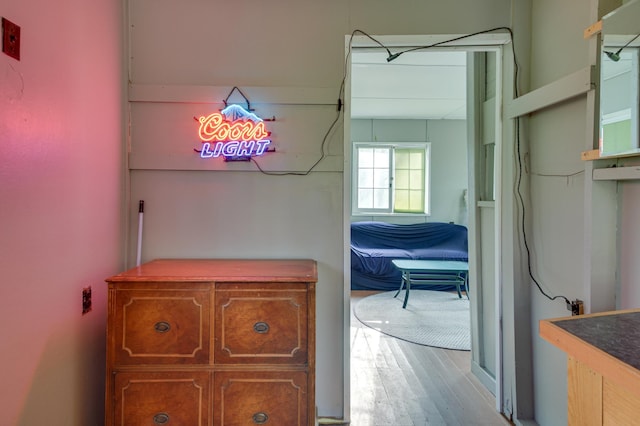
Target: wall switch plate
{"type": "Point", "coordinates": [86, 300]}
{"type": "Point", "coordinates": [10, 39]}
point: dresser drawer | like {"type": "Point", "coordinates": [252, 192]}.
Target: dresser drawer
{"type": "Point", "coordinates": [258, 325]}
{"type": "Point", "coordinates": [257, 398]}
{"type": "Point", "coordinates": [161, 326]}
{"type": "Point", "coordinates": [169, 398]}
{"type": "Point", "coordinates": [198, 342]}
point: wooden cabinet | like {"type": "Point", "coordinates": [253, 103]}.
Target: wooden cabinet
{"type": "Point", "coordinates": [212, 342]}
{"type": "Point", "coordinates": [603, 366]}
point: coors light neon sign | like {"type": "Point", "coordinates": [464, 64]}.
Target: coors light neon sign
{"type": "Point", "coordinates": [233, 132]}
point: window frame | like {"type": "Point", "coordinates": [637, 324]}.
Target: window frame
{"type": "Point", "coordinates": [392, 146]}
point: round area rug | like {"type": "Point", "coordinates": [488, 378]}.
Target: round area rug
{"type": "Point", "coordinates": [432, 318]}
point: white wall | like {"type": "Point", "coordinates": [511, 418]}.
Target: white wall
{"type": "Point", "coordinates": [563, 214]}
{"type": "Point", "coordinates": [557, 136]}
{"type": "Point", "coordinates": [60, 215]}
{"type": "Point", "coordinates": [60, 180]}
{"type": "Point", "coordinates": [448, 175]}
{"type": "Point", "coordinates": [269, 50]}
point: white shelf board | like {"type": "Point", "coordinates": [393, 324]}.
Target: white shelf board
{"type": "Point", "coordinates": [570, 86]}
{"type": "Point", "coordinates": [617, 173]}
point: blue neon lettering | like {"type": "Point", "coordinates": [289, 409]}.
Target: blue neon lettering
{"type": "Point", "coordinates": [234, 148]}
{"type": "Point", "coordinates": [262, 146]}
{"type": "Point", "coordinates": [245, 148]}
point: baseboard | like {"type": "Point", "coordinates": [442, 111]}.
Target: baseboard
{"type": "Point", "coordinates": [518, 422]}
{"type": "Point", "coordinates": [331, 421]}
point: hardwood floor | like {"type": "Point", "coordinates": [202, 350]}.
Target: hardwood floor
{"type": "Point", "coordinates": [397, 383]}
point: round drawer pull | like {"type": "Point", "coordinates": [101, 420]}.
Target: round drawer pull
{"type": "Point", "coordinates": [261, 327]}
{"type": "Point", "coordinates": [161, 419]}
{"type": "Point", "coordinates": [260, 418]}
{"type": "Point", "coordinates": [162, 326]}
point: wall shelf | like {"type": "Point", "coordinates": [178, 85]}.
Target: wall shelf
{"type": "Point", "coordinates": [617, 173]}
{"type": "Point", "coordinates": [594, 154]}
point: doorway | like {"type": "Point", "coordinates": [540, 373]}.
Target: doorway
{"type": "Point", "coordinates": [480, 204]}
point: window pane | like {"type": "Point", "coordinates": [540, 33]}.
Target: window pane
{"type": "Point", "coordinates": [402, 179]}
{"type": "Point", "coordinates": [401, 200]}
{"type": "Point", "coordinates": [365, 157]}
{"type": "Point", "coordinates": [365, 198]}
{"type": "Point", "coordinates": [373, 185]}
{"type": "Point", "coordinates": [416, 179]}
{"type": "Point", "coordinates": [381, 158]}
{"type": "Point", "coordinates": [416, 201]}
{"type": "Point", "coordinates": [416, 159]}
{"type": "Point", "coordinates": [381, 178]}
{"type": "Point", "coordinates": [381, 198]}
{"type": "Point", "coordinates": [365, 178]}
{"type": "Point", "coordinates": [402, 159]}
{"type": "Point", "coordinates": [409, 180]}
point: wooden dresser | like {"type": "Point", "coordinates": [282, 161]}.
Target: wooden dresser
{"type": "Point", "coordinates": [212, 342]}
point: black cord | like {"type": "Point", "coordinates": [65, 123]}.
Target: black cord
{"type": "Point", "coordinates": [517, 129]}
{"type": "Point", "coordinates": [523, 230]}
{"type": "Point", "coordinates": [519, 183]}
{"type": "Point", "coordinates": [322, 155]}
{"type": "Point", "coordinates": [335, 121]}
{"type": "Point", "coordinates": [235, 88]}
{"type": "Point", "coordinates": [440, 43]}
{"type": "Point", "coordinates": [342, 85]}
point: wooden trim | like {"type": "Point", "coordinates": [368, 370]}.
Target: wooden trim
{"type": "Point", "coordinates": [584, 394]}
{"type": "Point", "coordinates": [593, 29]}
{"type": "Point", "coordinates": [594, 154]}
{"type": "Point", "coordinates": [590, 155]}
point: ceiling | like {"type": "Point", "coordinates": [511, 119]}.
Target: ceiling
{"type": "Point", "coordinates": [416, 85]}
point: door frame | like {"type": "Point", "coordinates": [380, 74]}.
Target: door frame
{"type": "Point", "coordinates": [481, 42]}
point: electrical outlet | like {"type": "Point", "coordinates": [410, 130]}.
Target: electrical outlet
{"type": "Point", "coordinates": [10, 39]}
{"type": "Point", "coordinates": [577, 307]}
{"type": "Point", "coordinates": [86, 300]}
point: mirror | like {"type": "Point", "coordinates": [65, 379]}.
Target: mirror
{"type": "Point", "coordinates": [619, 81]}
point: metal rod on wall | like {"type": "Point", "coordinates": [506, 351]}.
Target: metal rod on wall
{"type": "Point", "coordinates": [140, 222]}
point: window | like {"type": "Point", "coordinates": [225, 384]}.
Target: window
{"type": "Point", "coordinates": [391, 178]}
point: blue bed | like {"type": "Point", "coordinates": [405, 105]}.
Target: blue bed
{"type": "Point", "coordinates": [375, 244]}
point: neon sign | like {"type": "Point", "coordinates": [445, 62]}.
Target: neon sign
{"type": "Point", "coordinates": [234, 133]}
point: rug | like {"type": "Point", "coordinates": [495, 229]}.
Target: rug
{"type": "Point", "coordinates": [432, 318]}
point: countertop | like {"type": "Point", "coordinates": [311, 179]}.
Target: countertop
{"type": "Point", "coordinates": [608, 342]}
{"type": "Point", "coordinates": [616, 334]}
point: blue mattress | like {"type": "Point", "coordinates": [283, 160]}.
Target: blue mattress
{"type": "Point", "coordinates": [375, 244]}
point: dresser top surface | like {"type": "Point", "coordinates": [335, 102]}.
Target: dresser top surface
{"type": "Point", "coordinates": [617, 334]}
{"type": "Point", "coordinates": [606, 342]}
{"type": "Point", "coordinates": [246, 270]}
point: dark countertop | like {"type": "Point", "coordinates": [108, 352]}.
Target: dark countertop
{"type": "Point", "coordinates": [617, 335]}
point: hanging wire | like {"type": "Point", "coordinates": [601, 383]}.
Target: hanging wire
{"type": "Point", "coordinates": [392, 57]}
{"type": "Point", "coordinates": [236, 89]}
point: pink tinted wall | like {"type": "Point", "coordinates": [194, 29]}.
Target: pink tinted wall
{"type": "Point", "coordinates": [61, 181]}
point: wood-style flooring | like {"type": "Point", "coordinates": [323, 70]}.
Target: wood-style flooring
{"type": "Point", "coordinates": [397, 383]}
